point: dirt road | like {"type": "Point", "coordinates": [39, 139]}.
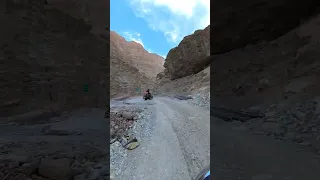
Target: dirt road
{"type": "Point", "coordinates": [175, 142]}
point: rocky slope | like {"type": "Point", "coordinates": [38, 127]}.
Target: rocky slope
{"type": "Point", "coordinates": [189, 57]}
{"type": "Point", "coordinates": [239, 23]}
{"type": "Point", "coordinates": [47, 59]}
{"type": "Point", "coordinates": [278, 79]}
{"type": "Point", "coordinates": [132, 67]}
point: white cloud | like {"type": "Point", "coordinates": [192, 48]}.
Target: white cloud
{"type": "Point", "coordinates": [133, 37]}
{"type": "Point", "coordinates": [175, 18]}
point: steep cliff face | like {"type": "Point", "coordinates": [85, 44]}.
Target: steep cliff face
{"type": "Point", "coordinates": [48, 59]}
{"type": "Point", "coordinates": [132, 67]}
{"type": "Point", "coordinates": [285, 70]}
{"type": "Point", "coordinates": [238, 23]}
{"type": "Point", "coordinates": [278, 79]}
{"type": "Point", "coordinates": [189, 57]}
{"type": "Point", "coordinates": [93, 12]}
{"type": "Point", "coordinates": [125, 79]}
{"type": "Point", "coordinates": [134, 54]}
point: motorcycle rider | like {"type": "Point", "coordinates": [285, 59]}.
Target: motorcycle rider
{"type": "Point", "coordinates": [147, 94]}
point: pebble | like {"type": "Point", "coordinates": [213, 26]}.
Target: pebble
{"type": "Point", "coordinates": [29, 168]}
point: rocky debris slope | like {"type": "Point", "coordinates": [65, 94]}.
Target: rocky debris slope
{"type": "Point", "coordinates": [121, 120]}
{"type": "Point", "coordinates": [189, 57]}
{"type": "Point", "coordinates": [52, 151]}
{"type": "Point", "coordinates": [186, 84]}
{"type": "Point", "coordinates": [279, 79]}
{"type": "Point", "coordinates": [132, 67]}
{"type": "Point", "coordinates": [196, 86]}
{"type": "Point", "coordinates": [240, 23]}
{"type": "Point", "coordinates": [48, 60]}
{"type": "Point", "coordinates": [299, 123]}
{"type": "Point", "coordinates": [119, 156]}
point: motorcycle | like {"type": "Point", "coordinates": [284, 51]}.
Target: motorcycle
{"type": "Point", "coordinates": [204, 174]}
{"type": "Point", "coordinates": [148, 96]}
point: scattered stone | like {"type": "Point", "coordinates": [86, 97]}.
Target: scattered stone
{"type": "Point", "coordinates": [80, 177]}
{"type": "Point", "coordinates": [254, 109]}
{"type": "Point", "coordinates": [128, 115]}
{"type": "Point", "coordinates": [30, 168]}
{"type": "Point", "coordinates": [300, 115]}
{"type": "Point", "coordinates": [305, 144]}
{"type": "Point", "coordinates": [47, 130]}
{"type": "Point", "coordinates": [13, 165]}
{"type": "Point", "coordinates": [16, 158]}
{"type": "Point", "coordinates": [57, 169]}
{"type": "Point", "coordinates": [270, 114]}
{"type": "Point", "coordinates": [95, 174]}
{"type": "Point", "coordinates": [181, 97]}
{"type": "Point", "coordinates": [317, 100]}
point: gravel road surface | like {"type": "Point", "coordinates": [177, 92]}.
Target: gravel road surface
{"type": "Point", "coordinates": [175, 142]}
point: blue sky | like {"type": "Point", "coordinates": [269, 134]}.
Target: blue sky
{"type": "Point", "coordinates": [158, 25]}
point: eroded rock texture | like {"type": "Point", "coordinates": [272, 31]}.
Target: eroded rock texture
{"type": "Point", "coordinates": [189, 57]}
{"type": "Point", "coordinates": [47, 58]}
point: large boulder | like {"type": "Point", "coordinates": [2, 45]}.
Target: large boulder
{"type": "Point", "coordinates": [238, 23]}
{"type": "Point", "coordinates": [189, 57]}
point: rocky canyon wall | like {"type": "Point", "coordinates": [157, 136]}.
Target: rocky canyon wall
{"type": "Point", "coordinates": [190, 56]}
{"type": "Point", "coordinates": [239, 23]}
{"type": "Point", "coordinates": [49, 60]}
{"type": "Point", "coordinates": [132, 68]}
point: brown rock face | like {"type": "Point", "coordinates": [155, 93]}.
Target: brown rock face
{"type": "Point", "coordinates": [190, 55]}
{"type": "Point", "coordinates": [132, 67]}
{"type": "Point", "coordinates": [238, 23]}
{"type": "Point", "coordinates": [284, 71]}
{"type": "Point", "coordinates": [94, 12]}
{"type": "Point", "coordinates": [47, 58]}
{"type": "Point", "coordinates": [134, 54]}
